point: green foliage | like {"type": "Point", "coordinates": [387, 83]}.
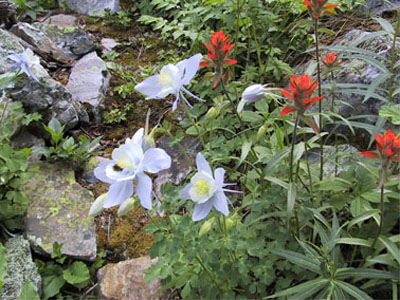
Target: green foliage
{"type": "Point", "coordinates": [117, 116]}
{"type": "Point", "coordinates": [3, 264]}
{"type": "Point", "coordinates": [28, 292]}
{"type": "Point", "coordinates": [65, 148]}
{"type": "Point", "coordinates": [14, 171]}
{"type": "Point", "coordinates": [61, 270]}
{"type": "Point", "coordinates": [32, 8]}
{"type": "Point", "coordinates": [120, 20]}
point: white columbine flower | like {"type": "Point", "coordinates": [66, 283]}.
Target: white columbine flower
{"type": "Point", "coordinates": [128, 164]}
{"type": "Point", "coordinates": [25, 62]}
{"type": "Point", "coordinates": [252, 93]}
{"type": "Point", "coordinates": [206, 190]}
{"type": "Point", "coordinates": [172, 80]}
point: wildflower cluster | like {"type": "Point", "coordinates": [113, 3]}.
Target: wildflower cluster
{"type": "Point", "coordinates": [388, 146]}
{"type": "Point", "coordinates": [318, 7]}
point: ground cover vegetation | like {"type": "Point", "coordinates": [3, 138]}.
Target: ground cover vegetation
{"type": "Point", "coordinates": [258, 217]}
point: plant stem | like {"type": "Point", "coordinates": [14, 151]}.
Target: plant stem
{"type": "Point", "coordinates": [292, 148]}
{"type": "Point", "coordinates": [321, 172]}
{"type": "Point", "coordinates": [309, 173]}
{"type": "Point", "coordinates": [380, 221]}
{"type": "Point", "coordinates": [194, 123]}
{"type": "Point", "coordinates": [188, 161]}
{"type": "Point", "coordinates": [213, 279]}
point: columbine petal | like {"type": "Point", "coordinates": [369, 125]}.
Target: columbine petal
{"type": "Point", "coordinates": [221, 203]}
{"type": "Point", "coordinates": [201, 210]}
{"type": "Point", "coordinates": [191, 66]}
{"type": "Point", "coordinates": [202, 164]}
{"type": "Point", "coordinates": [253, 93]}
{"type": "Point", "coordinates": [150, 87]}
{"type": "Point", "coordinates": [219, 174]}
{"type": "Point", "coordinates": [156, 160]}
{"type": "Point", "coordinates": [143, 190]}
{"type": "Point", "coordinates": [100, 171]}
{"type": "Point", "coordinates": [137, 137]}
{"type": "Point", "coordinates": [118, 193]}
{"type": "Point", "coordinates": [184, 194]}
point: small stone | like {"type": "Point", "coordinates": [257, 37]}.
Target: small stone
{"type": "Point", "coordinates": [108, 44]}
{"type": "Point", "coordinates": [88, 83]}
{"type": "Point", "coordinates": [20, 269]}
{"type": "Point", "coordinates": [61, 20]}
{"type": "Point", "coordinates": [125, 281]}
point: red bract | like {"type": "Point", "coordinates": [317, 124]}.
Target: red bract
{"type": "Point", "coordinates": [301, 90]}
{"type": "Point", "coordinates": [331, 60]}
{"type": "Point", "coordinates": [318, 7]}
{"type": "Point", "coordinates": [388, 146]}
{"type": "Point", "coordinates": [217, 56]}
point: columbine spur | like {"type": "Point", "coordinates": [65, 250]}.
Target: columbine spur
{"type": "Point", "coordinates": [128, 164]}
{"type": "Point", "coordinates": [206, 190]}
{"type": "Point", "coordinates": [172, 80]}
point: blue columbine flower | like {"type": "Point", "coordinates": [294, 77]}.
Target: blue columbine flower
{"type": "Point", "coordinates": [172, 80]}
{"type": "Point", "coordinates": [128, 164]}
{"type": "Point", "coordinates": [206, 190]}
{"type": "Point", "coordinates": [24, 62]}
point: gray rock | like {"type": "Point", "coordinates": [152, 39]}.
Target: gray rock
{"type": "Point", "coordinates": [74, 42]}
{"type": "Point", "coordinates": [88, 83]}
{"type": "Point", "coordinates": [378, 7]}
{"type": "Point", "coordinates": [20, 269]}
{"type": "Point", "coordinates": [58, 212]}
{"type": "Point", "coordinates": [49, 97]}
{"type": "Point", "coordinates": [108, 44]}
{"type": "Point", "coordinates": [61, 20]}
{"type": "Point", "coordinates": [41, 43]}
{"type": "Point", "coordinates": [90, 7]}
{"type": "Point", "coordinates": [180, 167]}
{"type": "Point", "coordinates": [125, 281]}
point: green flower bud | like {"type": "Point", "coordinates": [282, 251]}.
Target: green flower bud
{"type": "Point", "coordinates": [97, 206]}
{"type": "Point", "coordinates": [212, 113]}
{"type": "Point", "coordinates": [206, 227]}
{"type": "Point", "coordinates": [126, 206]}
{"type": "Point", "coordinates": [262, 131]}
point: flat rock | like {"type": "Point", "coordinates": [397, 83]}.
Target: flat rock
{"type": "Point", "coordinates": [378, 7]}
{"type": "Point", "coordinates": [41, 43]}
{"type": "Point", "coordinates": [58, 212]}
{"type": "Point", "coordinates": [90, 7]}
{"type": "Point", "coordinates": [49, 97]}
{"type": "Point", "coordinates": [88, 83]}
{"type": "Point", "coordinates": [180, 167]}
{"type": "Point", "coordinates": [20, 269]}
{"type": "Point", "coordinates": [61, 20]}
{"type": "Point", "coordinates": [73, 41]}
{"type": "Point", "coordinates": [125, 281]}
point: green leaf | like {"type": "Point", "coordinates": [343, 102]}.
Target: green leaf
{"type": "Point", "coordinates": [303, 287]}
{"type": "Point", "coordinates": [391, 112]}
{"type": "Point", "coordinates": [364, 216]}
{"type": "Point", "coordinates": [291, 198]}
{"type": "Point", "coordinates": [334, 184]}
{"type": "Point", "coordinates": [362, 273]}
{"type": "Point", "coordinates": [28, 292]}
{"type": "Point", "coordinates": [391, 247]}
{"type": "Point", "coordinates": [3, 264]}
{"type": "Point", "coordinates": [245, 151]}
{"type": "Point", "coordinates": [385, 25]}
{"type": "Point", "coordinates": [353, 241]}
{"type": "Point", "coordinates": [375, 83]}
{"type": "Point", "coordinates": [299, 259]}
{"type": "Point", "coordinates": [353, 291]}
{"type": "Point", "coordinates": [77, 274]}
{"type": "Point", "coordinates": [52, 285]}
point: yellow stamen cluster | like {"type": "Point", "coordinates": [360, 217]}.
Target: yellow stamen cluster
{"type": "Point", "coordinates": [124, 162]}
{"type": "Point", "coordinates": [201, 187]}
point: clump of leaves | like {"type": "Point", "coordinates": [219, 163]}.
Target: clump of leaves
{"type": "Point", "coordinates": [65, 148]}
{"type": "Point", "coordinates": [61, 270]}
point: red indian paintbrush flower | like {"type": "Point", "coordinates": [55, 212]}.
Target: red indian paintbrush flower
{"type": "Point", "coordinates": [388, 146]}
{"type": "Point", "coordinates": [331, 60]}
{"type": "Point", "coordinates": [301, 91]}
{"type": "Point", "coordinates": [318, 7]}
{"type": "Point", "coordinates": [217, 56]}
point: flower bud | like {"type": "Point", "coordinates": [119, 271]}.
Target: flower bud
{"type": "Point", "coordinates": [126, 206]}
{"type": "Point", "coordinates": [262, 131]}
{"type": "Point", "coordinates": [253, 93]}
{"type": "Point", "coordinates": [206, 227]}
{"type": "Point", "coordinates": [97, 206]}
{"type": "Point", "coordinates": [212, 113]}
